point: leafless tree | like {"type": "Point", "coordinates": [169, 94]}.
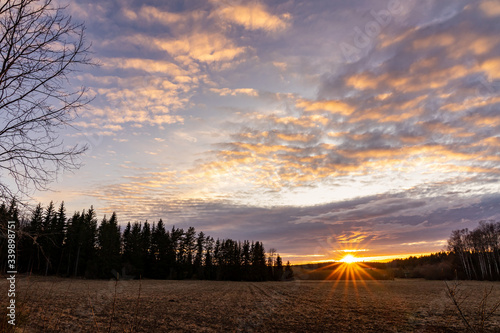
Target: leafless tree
{"type": "Point", "coordinates": [475, 317]}
{"type": "Point", "coordinates": [39, 47]}
{"type": "Point", "coordinates": [478, 250]}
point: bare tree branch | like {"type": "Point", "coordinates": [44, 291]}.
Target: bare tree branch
{"type": "Point", "coordinates": [39, 48]}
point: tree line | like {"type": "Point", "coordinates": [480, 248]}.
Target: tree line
{"type": "Point", "coordinates": [478, 251]}
{"type": "Point", "coordinates": [49, 243]}
{"type": "Point", "coordinates": [470, 255]}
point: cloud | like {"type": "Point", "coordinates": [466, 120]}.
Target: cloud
{"type": "Point", "coordinates": [420, 106]}
{"type": "Point", "coordinates": [202, 46]}
{"type": "Point", "coordinates": [255, 16]}
{"type": "Point", "coordinates": [235, 92]}
{"type": "Point", "coordinates": [492, 68]}
{"type": "Point", "coordinates": [147, 65]}
{"type": "Point", "coordinates": [333, 106]}
{"type": "Point", "coordinates": [490, 8]}
{"type": "Point", "coordinates": [378, 223]}
{"type": "Point", "coordinates": [273, 135]}
{"type": "Point", "coordinates": [154, 14]}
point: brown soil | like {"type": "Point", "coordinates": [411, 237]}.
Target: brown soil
{"type": "Point", "coordinates": [74, 305]}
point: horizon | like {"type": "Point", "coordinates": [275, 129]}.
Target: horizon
{"type": "Point", "coordinates": [319, 128]}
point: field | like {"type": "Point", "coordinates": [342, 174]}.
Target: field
{"type": "Point", "coordinates": [74, 305]}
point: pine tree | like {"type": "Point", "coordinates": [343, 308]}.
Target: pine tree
{"type": "Point", "coordinates": [209, 270]}
{"type": "Point", "coordinates": [159, 251]}
{"type": "Point", "coordinates": [89, 242]}
{"type": "Point", "coordinates": [81, 244]}
{"type": "Point", "coordinates": [198, 260]}
{"type": "Point", "coordinates": [146, 249]}
{"type": "Point", "coordinates": [109, 243]}
{"type": "Point", "coordinates": [278, 269]}
{"type": "Point", "coordinates": [259, 271]}
{"type": "Point", "coordinates": [288, 275]}
{"type": "Point", "coordinates": [35, 231]}
{"type": "Point", "coordinates": [175, 252]}
{"type": "Point", "coordinates": [245, 256]}
{"type": "Point", "coordinates": [188, 249]}
{"type": "Point", "coordinates": [47, 238]}
{"type": "Point", "coordinates": [133, 250]}
{"type": "Point", "coordinates": [58, 228]}
{"type": "Point", "coordinates": [80, 247]}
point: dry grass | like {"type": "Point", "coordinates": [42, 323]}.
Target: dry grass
{"type": "Point", "coordinates": [65, 305]}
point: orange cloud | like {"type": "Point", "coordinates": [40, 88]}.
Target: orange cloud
{"type": "Point", "coordinates": [261, 149]}
{"type": "Point", "coordinates": [471, 43]}
{"type": "Point", "coordinates": [205, 47]}
{"type": "Point", "coordinates": [148, 65]}
{"type": "Point", "coordinates": [255, 16]}
{"type": "Point", "coordinates": [304, 121]}
{"type": "Point", "coordinates": [295, 137]}
{"type": "Point", "coordinates": [235, 92]}
{"type": "Point", "coordinates": [150, 13]}
{"type": "Point", "coordinates": [492, 68]}
{"type": "Point", "coordinates": [483, 121]}
{"type": "Point", "coordinates": [365, 81]}
{"type": "Point", "coordinates": [490, 8]}
{"type": "Point", "coordinates": [471, 103]}
{"type": "Point", "coordinates": [333, 106]}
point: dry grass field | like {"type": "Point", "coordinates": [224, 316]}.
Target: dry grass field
{"type": "Point", "coordinates": [74, 305]}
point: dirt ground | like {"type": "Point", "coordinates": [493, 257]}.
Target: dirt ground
{"type": "Point", "coordinates": [75, 305]}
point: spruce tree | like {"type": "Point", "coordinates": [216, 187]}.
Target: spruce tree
{"type": "Point", "coordinates": [288, 275]}
{"type": "Point", "coordinates": [278, 269]}
{"type": "Point", "coordinates": [109, 243]}
{"type": "Point", "coordinates": [145, 249]}
{"type": "Point", "coordinates": [198, 260]}
{"type": "Point", "coordinates": [58, 228]}
{"type": "Point", "coordinates": [35, 231]}
{"type": "Point", "coordinates": [47, 241]}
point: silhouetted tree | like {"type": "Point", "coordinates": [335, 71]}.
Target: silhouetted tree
{"type": "Point", "coordinates": [175, 252]}
{"type": "Point", "coordinates": [198, 259]}
{"type": "Point", "coordinates": [259, 268]}
{"type": "Point", "coordinates": [146, 249]}
{"type": "Point", "coordinates": [39, 47]}
{"type": "Point", "coordinates": [80, 244]}
{"type": "Point", "coordinates": [58, 229]}
{"type": "Point", "coordinates": [209, 258]}
{"type": "Point", "coordinates": [109, 246]}
{"type": "Point", "coordinates": [187, 252]}
{"type": "Point", "coordinates": [478, 250]}
{"type": "Point", "coordinates": [133, 250]}
{"type": "Point", "coordinates": [80, 247]}
{"type": "Point", "coordinates": [159, 248]}
{"type": "Point", "coordinates": [288, 275]}
{"type": "Point", "coordinates": [245, 260]}
{"type": "Point", "coordinates": [35, 230]}
{"type": "Point", "coordinates": [278, 269]}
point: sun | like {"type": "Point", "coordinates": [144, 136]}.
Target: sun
{"type": "Point", "coordinates": [349, 259]}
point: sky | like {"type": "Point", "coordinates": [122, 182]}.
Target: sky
{"type": "Point", "coordinates": [317, 127]}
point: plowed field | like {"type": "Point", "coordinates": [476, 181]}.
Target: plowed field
{"type": "Point", "coordinates": [74, 305]}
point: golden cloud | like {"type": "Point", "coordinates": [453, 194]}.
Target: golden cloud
{"type": "Point", "coordinates": [295, 137]}
{"type": "Point", "coordinates": [255, 16]}
{"type": "Point", "coordinates": [205, 47]}
{"type": "Point", "coordinates": [154, 14]}
{"type": "Point", "coordinates": [492, 68]}
{"type": "Point", "coordinates": [235, 92]}
{"type": "Point", "coordinates": [148, 65]}
{"type": "Point", "coordinates": [333, 106]}
{"type": "Point", "coordinates": [490, 8]}
{"type": "Point", "coordinates": [365, 81]}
